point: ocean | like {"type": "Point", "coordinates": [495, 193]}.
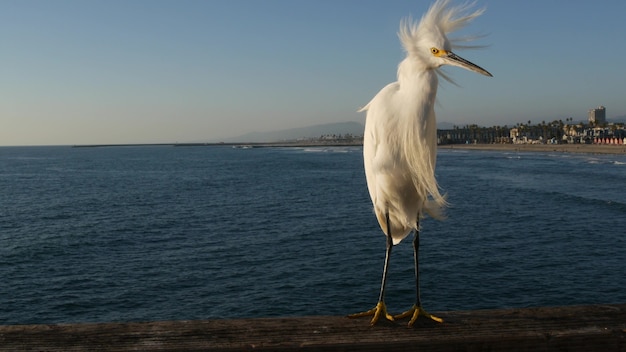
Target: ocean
{"type": "Point", "coordinates": [145, 233]}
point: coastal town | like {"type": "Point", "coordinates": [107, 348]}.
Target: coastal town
{"type": "Point", "coordinates": [595, 131]}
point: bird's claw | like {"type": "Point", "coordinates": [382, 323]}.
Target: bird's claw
{"type": "Point", "coordinates": [415, 312]}
{"type": "Point", "coordinates": [377, 312]}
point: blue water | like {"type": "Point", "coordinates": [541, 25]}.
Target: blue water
{"type": "Point", "coordinates": [162, 233]}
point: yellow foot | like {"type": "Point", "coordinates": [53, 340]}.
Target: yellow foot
{"type": "Point", "coordinates": [380, 309]}
{"type": "Point", "coordinates": [416, 312]}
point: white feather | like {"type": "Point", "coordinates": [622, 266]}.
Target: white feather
{"type": "Point", "coordinates": [400, 139]}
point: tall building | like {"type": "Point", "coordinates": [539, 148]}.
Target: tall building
{"type": "Point", "coordinates": [598, 115]}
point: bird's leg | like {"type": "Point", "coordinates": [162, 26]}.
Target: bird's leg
{"type": "Point", "coordinates": [417, 309]}
{"type": "Point", "coordinates": [381, 308]}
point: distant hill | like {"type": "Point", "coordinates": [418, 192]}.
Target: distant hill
{"type": "Point", "coordinates": [351, 127]}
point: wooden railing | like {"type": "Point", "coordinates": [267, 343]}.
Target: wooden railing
{"type": "Point", "coordinates": [574, 328]}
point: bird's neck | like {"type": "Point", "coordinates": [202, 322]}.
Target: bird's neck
{"type": "Point", "coordinates": [418, 82]}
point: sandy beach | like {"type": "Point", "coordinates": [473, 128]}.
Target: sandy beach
{"type": "Point", "coordinates": [559, 148]}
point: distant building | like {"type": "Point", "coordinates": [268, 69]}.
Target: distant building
{"type": "Point", "coordinates": [597, 116]}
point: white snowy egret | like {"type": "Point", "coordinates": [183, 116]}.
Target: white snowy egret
{"type": "Point", "coordinates": [400, 139]}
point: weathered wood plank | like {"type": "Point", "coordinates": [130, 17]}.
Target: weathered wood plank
{"type": "Point", "coordinates": [575, 328]}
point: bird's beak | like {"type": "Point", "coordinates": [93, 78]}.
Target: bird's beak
{"type": "Point", "coordinates": [455, 60]}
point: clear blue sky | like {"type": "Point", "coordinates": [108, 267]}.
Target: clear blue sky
{"type": "Point", "coordinates": [143, 71]}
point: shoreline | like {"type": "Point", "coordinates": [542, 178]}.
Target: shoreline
{"type": "Point", "coordinates": [546, 148]}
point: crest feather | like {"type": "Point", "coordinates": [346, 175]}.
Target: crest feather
{"type": "Point", "coordinates": [451, 18]}
{"type": "Point", "coordinates": [441, 17]}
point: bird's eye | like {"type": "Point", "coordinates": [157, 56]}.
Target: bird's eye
{"type": "Point", "coordinates": [434, 51]}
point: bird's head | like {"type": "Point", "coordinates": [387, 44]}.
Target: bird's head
{"type": "Point", "coordinates": [427, 41]}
